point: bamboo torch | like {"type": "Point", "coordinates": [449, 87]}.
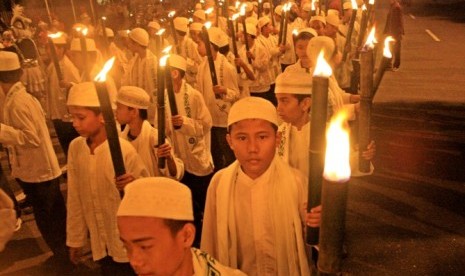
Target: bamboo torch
{"type": "Point", "coordinates": [103, 19]}
{"type": "Point", "coordinates": [385, 62]}
{"type": "Point", "coordinates": [320, 84]}
{"type": "Point", "coordinates": [53, 52]}
{"type": "Point", "coordinates": [336, 176]}
{"type": "Point", "coordinates": [370, 10]}
{"type": "Point", "coordinates": [350, 31]}
{"type": "Point", "coordinates": [211, 62]}
{"type": "Point", "coordinates": [73, 9]}
{"type": "Point", "coordinates": [171, 15]}
{"type": "Point", "coordinates": [159, 41]}
{"type": "Point", "coordinates": [281, 24]}
{"type": "Point", "coordinates": [246, 38]}
{"type": "Point", "coordinates": [233, 37]}
{"type": "Point", "coordinates": [366, 98]}
{"type": "Point", "coordinates": [169, 87]}
{"type": "Point", "coordinates": [363, 26]}
{"type": "Point", "coordinates": [259, 9]}
{"type": "Point", "coordinates": [313, 10]}
{"type": "Point", "coordinates": [161, 106]}
{"type": "Point", "coordinates": [83, 42]}
{"type": "Point", "coordinates": [109, 118]}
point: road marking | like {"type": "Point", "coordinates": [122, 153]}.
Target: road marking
{"type": "Point", "coordinates": [411, 16]}
{"type": "Point", "coordinates": [433, 36]}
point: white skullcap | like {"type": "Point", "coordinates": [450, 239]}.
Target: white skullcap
{"type": "Point", "coordinates": [252, 108]}
{"type": "Point", "coordinates": [133, 96]}
{"type": "Point", "coordinates": [140, 36]}
{"type": "Point", "coordinates": [333, 11]}
{"type": "Point", "coordinates": [278, 10]}
{"type": "Point", "coordinates": [196, 26]}
{"type": "Point", "coordinates": [83, 94]}
{"type": "Point", "coordinates": [109, 32]}
{"type": "Point", "coordinates": [215, 34]}
{"type": "Point", "coordinates": [9, 61]}
{"type": "Point", "coordinates": [294, 83]}
{"type": "Point", "coordinates": [60, 40]}
{"type": "Point", "coordinates": [248, 7]}
{"type": "Point", "coordinates": [307, 7]}
{"type": "Point", "coordinates": [178, 62]}
{"type": "Point", "coordinates": [123, 33]}
{"type": "Point", "coordinates": [251, 29]}
{"type": "Point", "coordinates": [333, 19]}
{"type": "Point", "coordinates": [181, 23]}
{"type": "Point", "coordinates": [347, 5]}
{"type": "Point", "coordinates": [154, 24]}
{"type": "Point", "coordinates": [266, 5]}
{"type": "Point", "coordinates": [200, 14]}
{"type": "Point", "coordinates": [319, 43]}
{"type": "Point", "coordinates": [224, 41]}
{"type": "Point", "coordinates": [198, 6]}
{"type": "Point", "coordinates": [263, 21]}
{"type": "Point", "coordinates": [76, 45]}
{"type": "Point", "coordinates": [318, 18]}
{"type": "Point", "coordinates": [309, 30]}
{"type": "Point", "coordinates": [251, 20]}
{"type": "Point", "coordinates": [158, 197]}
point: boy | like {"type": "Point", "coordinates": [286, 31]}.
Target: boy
{"type": "Point", "coordinates": [93, 195]}
{"type": "Point", "coordinates": [131, 110]}
{"type": "Point", "coordinates": [301, 42]}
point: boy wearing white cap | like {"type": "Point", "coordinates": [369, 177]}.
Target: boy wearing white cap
{"type": "Point", "coordinates": [33, 161]}
{"type": "Point", "coordinates": [192, 140]}
{"type": "Point", "coordinates": [131, 110]}
{"type": "Point", "coordinates": [90, 69]}
{"type": "Point", "coordinates": [58, 93]}
{"type": "Point", "coordinates": [142, 67]}
{"type": "Point", "coordinates": [301, 42]}
{"type": "Point", "coordinates": [218, 98]}
{"type": "Point", "coordinates": [155, 223]}
{"type": "Point", "coordinates": [93, 190]}
{"type": "Point", "coordinates": [267, 238]}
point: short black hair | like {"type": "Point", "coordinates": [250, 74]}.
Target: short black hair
{"type": "Point", "coordinates": [216, 48]}
{"type": "Point", "coordinates": [275, 127]}
{"type": "Point", "coordinates": [301, 97]}
{"type": "Point", "coordinates": [224, 50]}
{"type": "Point", "coordinates": [181, 33]}
{"type": "Point", "coordinates": [175, 225]}
{"type": "Point", "coordinates": [94, 109]}
{"type": "Point", "coordinates": [142, 113]}
{"type": "Point", "coordinates": [304, 36]}
{"type": "Point", "coordinates": [11, 76]}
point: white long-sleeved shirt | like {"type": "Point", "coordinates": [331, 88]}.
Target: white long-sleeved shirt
{"type": "Point", "coordinates": [260, 67]}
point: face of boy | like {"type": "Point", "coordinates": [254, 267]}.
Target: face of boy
{"type": "Point", "coordinates": [151, 247]}
{"type": "Point", "coordinates": [123, 113]}
{"type": "Point", "coordinates": [254, 143]}
{"type": "Point", "coordinates": [289, 108]}
{"type": "Point", "coordinates": [301, 50]}
{"type": "Point", "coordinates": [85, 121]}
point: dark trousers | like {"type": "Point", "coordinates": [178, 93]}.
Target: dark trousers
{"type": "Point", "coordinates": [198, 186]}
{"type": "Point", "coordinates": [396, 52]}
{"type": "Point", "coordinates": [49, 212]}
{"type": "Point", "coordinates": [222, 154]}
{"type": "Point", "coordinates": [108, 267]}
{"type": "Point", "coordinates": [65, 132]}
{"type": "Point", "coordinates": [269, 95]}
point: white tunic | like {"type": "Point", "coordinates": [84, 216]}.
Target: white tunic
{"type": "Point", "coordinates": [189, 51]}
{"type": "Point", "coordinates": [26, 136]}
{"type": "Point", "coordinates": [93, 198]}
{"type": "Point", "coordinates": [260, 67]}
{"type": "Point", "coordinates": [271, 44]}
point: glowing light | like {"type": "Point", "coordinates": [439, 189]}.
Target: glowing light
{"type": "Point", "coordinates": [171, 14]}
{"type": "Point", "coordinates": [235, 16]}
{"type": "Point", "coordinates": [208, 25]}
{"type": "Point", "coordinates": [164, 60]}
{"type": "Point", "coordinates": [322, 68]}
{"type": "Point", "coordinates": [102, 76]}
{"type": "Point", "coordinates": [243, 9]}
{"type": "Point", "coordinates": [167, 49]}
{"type": "Point", "coordinates": [55, 35]}
{"type": "Point", "coordinates": [371, 2]}
{"type": "Point", "coordinates": [386, 51]}
{"type": "Point", "coordinates": [209, 11]}
{"type": "Point", "coordinates": [371, 40]}
{"type": "Point", "coordinates": [354, 5]}
{"type": "Point", "coordinates": [160, 32]}
{"type": "Point", "coordinates": [295, 32]}
{"type": "Point", "coordinates": [364, 8]}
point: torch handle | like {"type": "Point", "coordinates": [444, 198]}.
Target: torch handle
{"type": "Point", "coordinates": [161, 112]}
{"type": "Point", "coordinates": [349, 35]}
{"type": "Point", "coordinates": [175, 37]}
{"type": "Point", "coordinates": [246, 41]}
{"type": "Point", "coordinates": [84, 58]}
{"type": "Point", "coordinates": [233, 38]}
{"type": "Point", "coordinates": [366, 98]}
{"type": "Point", "coordinates": [170, 89]}
{"type": "Point", "coordinates": [211, 63]}
{"type": "Point", "coordinates": [363, 29]}
{"type": "Point", "coordinates": [56, 63]}
{"type": "Point", "coordinates": [380, 74]}
{"type": "Point", "coordinates": [105, 37]}
{"type": "Point", "coordinates": [281, 28]}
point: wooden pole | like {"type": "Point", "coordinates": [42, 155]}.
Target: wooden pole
{"type": "Point", "coordinates": [55, 60]}
{"type": "Point", "coordinates": [161, 108]}
{"type": "Point", "coordinates": [233, 38]}
{"type": "Point", "coordinates": [211, 62]}
{"type": "Point", "coordinates": [349, 35]}
{"type": "Point", "coordinates": [246, 40]}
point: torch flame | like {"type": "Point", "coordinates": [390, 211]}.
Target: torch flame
{"type": "Point", "coordinates": [364, 8]}
{"type": "Point", "coordinates": [209, 10]}
{"type": "Point", "coordinates": [55, 35]}
{"type": "Point", "coordinates": [238, 3]}
{"type": "Point", "coordinates": [386, 51]}
{"type": "Point", "coordinates": [160, 32]}
{"type": "Point", "coordinates": [167, 49]}
{"type": "Point", "coordinates": [235, 16]}
{"type": "Point", "coordinates": [164, 60]}
{"type": "Point", "coordinates": [171, 14]}
{"type": "Point", "coordinates": [85, 31]}
{"type": "Point", "coordinates": [313, 5]}
{"type": "Point", "coordinates": [371, 40]}
{"type": "Point", "coordinates": [287, 6]}
{"type": "Point", "coordinates": [371, 2]}
{"type": "Point", "coordinates": [104, 18]}
{"type": "Point", "coordinates": [354, 5]}
{"type": "Point", "coordinates": [322, 68]}
{"type": "Point", "coordinates": [208, 25]}
{"type": "Point", "coordinates": [102, 76]}
{"type": "Point", "coordinates": [242, 10]}
{"type": "Point", "coordinates": [295, 32]}
{"type": "Point", "coordinates": [337, 164]}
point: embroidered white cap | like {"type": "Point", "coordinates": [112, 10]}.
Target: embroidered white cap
{"type": "Point", "coordinates": [158, 197]}
{"type": "Point", "coordinates": [278, 10]}
{"type": "Point", "coordinates": [196, 26]}
{"type": "Point", "coordinates": [307, 7]}
{"type": "Point", "coordinates": [263, 21]}
{"type": "Point", "coordinates": [319, 43]}
{"type": "Point", "coordinates": [198, 6]}
{"type": "Point", "coordinates": [347, 5]}
{"type": "Point", "coordinates": [215, 34]}
{"type": "Point", "coordinates": [109, 32]}
{"type": "Point", "coordinates": [252, 108]}
{"type": "Point", "coordinates": [133, 96]}
{"type": "Point", "coordinates": [318, 18]}
{"type": "Point", "coordinates": [309, 30]}
{"type": "Point", "coordinates": [248, 7]}
{"type": "Point", "coordinates": [333, 19]}
{"type": "Point", "coordinates": [294, 83]}
{"type": "Point", "coordinates": [83, 94]}
{"type": "Point", "coordinates": [154, 24]}
{"type": "Point", "coordinates": [200, 14]}
{"type": "Point", "coordinates": [251, 29]}
{"type": "Point", "coordinates": [266, 5]}
{"type": "Point", "coordinates": [76, 45]}
{"type": "Point", "coordinates": [251, 20]}
{"type": "Point", "coordinates": [333, 11]}
{"type": "Point", "coordinates": [140, 36]}
{"type": "Point", "coordinates": [9, 61]}
{"type": "Point", "coordinates": [181, 24]}
{"type": "Point", "coordinates": [178, 62]}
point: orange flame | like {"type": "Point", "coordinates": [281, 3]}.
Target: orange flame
{"type": "Point", "coordinates": [386, 51]}
{"type": "Point", "coordinates": [164, 60]}
{"type": "Point", "coordinates": [371, 2]}
{"type": "Point", "coordinates": [208, 25]}
{"type": "Point", "coordinates": [102, 76]}
{"type": "Point", "coordinates": [337, 164]}
{"type": "Point", "coordinates": [295, 32]}
{"type": "Point", "coordinates": [242, 10]}
{"type": "Point", "coordinates": [371, 40]}
{"type": "Point", "coordinates": [104, 18]}
{"type": "Point", "coordinates": [364, 7]}
{"type": "Point", "coordinates": [160, 32]}
{"type": "Point", "coordinates": [354, 5]}
{"type": "Point", "coordinates": [55, 35]}
{"type": "Point", "coordinates": [171, 14]}
{"type": "Point", "coordinates": [322, 68]}
{"type": "Point", "coordinates": [167, 49]}
{"type": "Point", "coordinates": [313, 5]}
{"type": "Point", "coordinates": [235, 16]}
{"type": "Point", "coordinates": [209, 11]}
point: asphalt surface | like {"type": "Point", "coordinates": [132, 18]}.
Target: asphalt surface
{"type": "Point", "coordinates": [408, 218]}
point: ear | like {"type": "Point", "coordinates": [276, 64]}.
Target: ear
{"type": "Point", "coordinates": [188, 235]}
{"type": "Point", "coordinates": [306, 104]}
{"type": "Point", "coordinates": [229, 140]}
{"type": "Point", "coordinates": [100, 118]}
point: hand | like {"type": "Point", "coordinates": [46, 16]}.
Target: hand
{"type": "Point", "coordinates": [354, 98]}
{"type": "Point", "coordinates": [238, 61]}
{"type": "Point", "coordinates": [250, 55]}
{"type": "Point", "coordinates": [164, 151]}
{"type": "Point", "coordinates": [122, 180]}
{"type": "Point", "coordinates": [282, 49]}
{"type": "Point", "coordinates": [313, 219]}
{"type": "Point", "coordinates": [75, 254]}
{"type": "Point", "coordinates": [219, 89]}
{"type": "Point", "coordinates": [177, 120]}
{"type": "Point", "coordinates": [370, 152]}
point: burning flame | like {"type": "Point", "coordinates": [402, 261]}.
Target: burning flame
{"type": "Point", "coordinates": [235, 16]}
{"type": "Point", "coordinates": [354, 5]}
{"type": "Point", "coordinates": [164, 60]}
{"type": "Point", "coordinates": [85, 31]}
{"type": "Point", "coordinates": [104, 18]}
{"type": "Point", "coordinates": [371, 40]}
{"type": "Point", "coordinates": [364, 8]}
{"type": "Point", "coordinates": [209, 11]}
{"type": "Point", "coordinates": [337, 164]}
{"type": "Point", "coordinates": [313, 5]}
{"type": "Point", "coordinates": [171, 14]}
{"type": "Point", "coordinates": [167, 49]}
{"type": "Point", "coordinates": [208, 25]}
{"type": "Point", "coordinates": [102, 76]}
{"type": "Point", "coordinates": [242, 11]}
{"type": "Point", "coordinates": [287, 7]}
{"type": "Point", "coordinates": [386, 51]}
{"type": "Point", "coordinates": [295, 32]}
{"type": "Point", "coordinates": [371, 2]}
{"type": "Point", "coordinates": [322, 68]}
{"type": "Point", "coordinates": [160, 32]}
{"type": "Point", "coordinates": [55, 35]}
{"type": "Point", "coordinates": [238, 3]}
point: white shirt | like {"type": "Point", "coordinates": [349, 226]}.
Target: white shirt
{"type": "Point", "coordinates": [260, 67]}
{"type": "Point", "coordinates": [193, 59]}
{"type": "Point", "coordinates": [93, 198]}
{"type": "Point", "coordinates": [299, 144]}
{"type": "Point", "coordinates": [271, 44]}
{"type": "Point", "coordinates": [26, 136]}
